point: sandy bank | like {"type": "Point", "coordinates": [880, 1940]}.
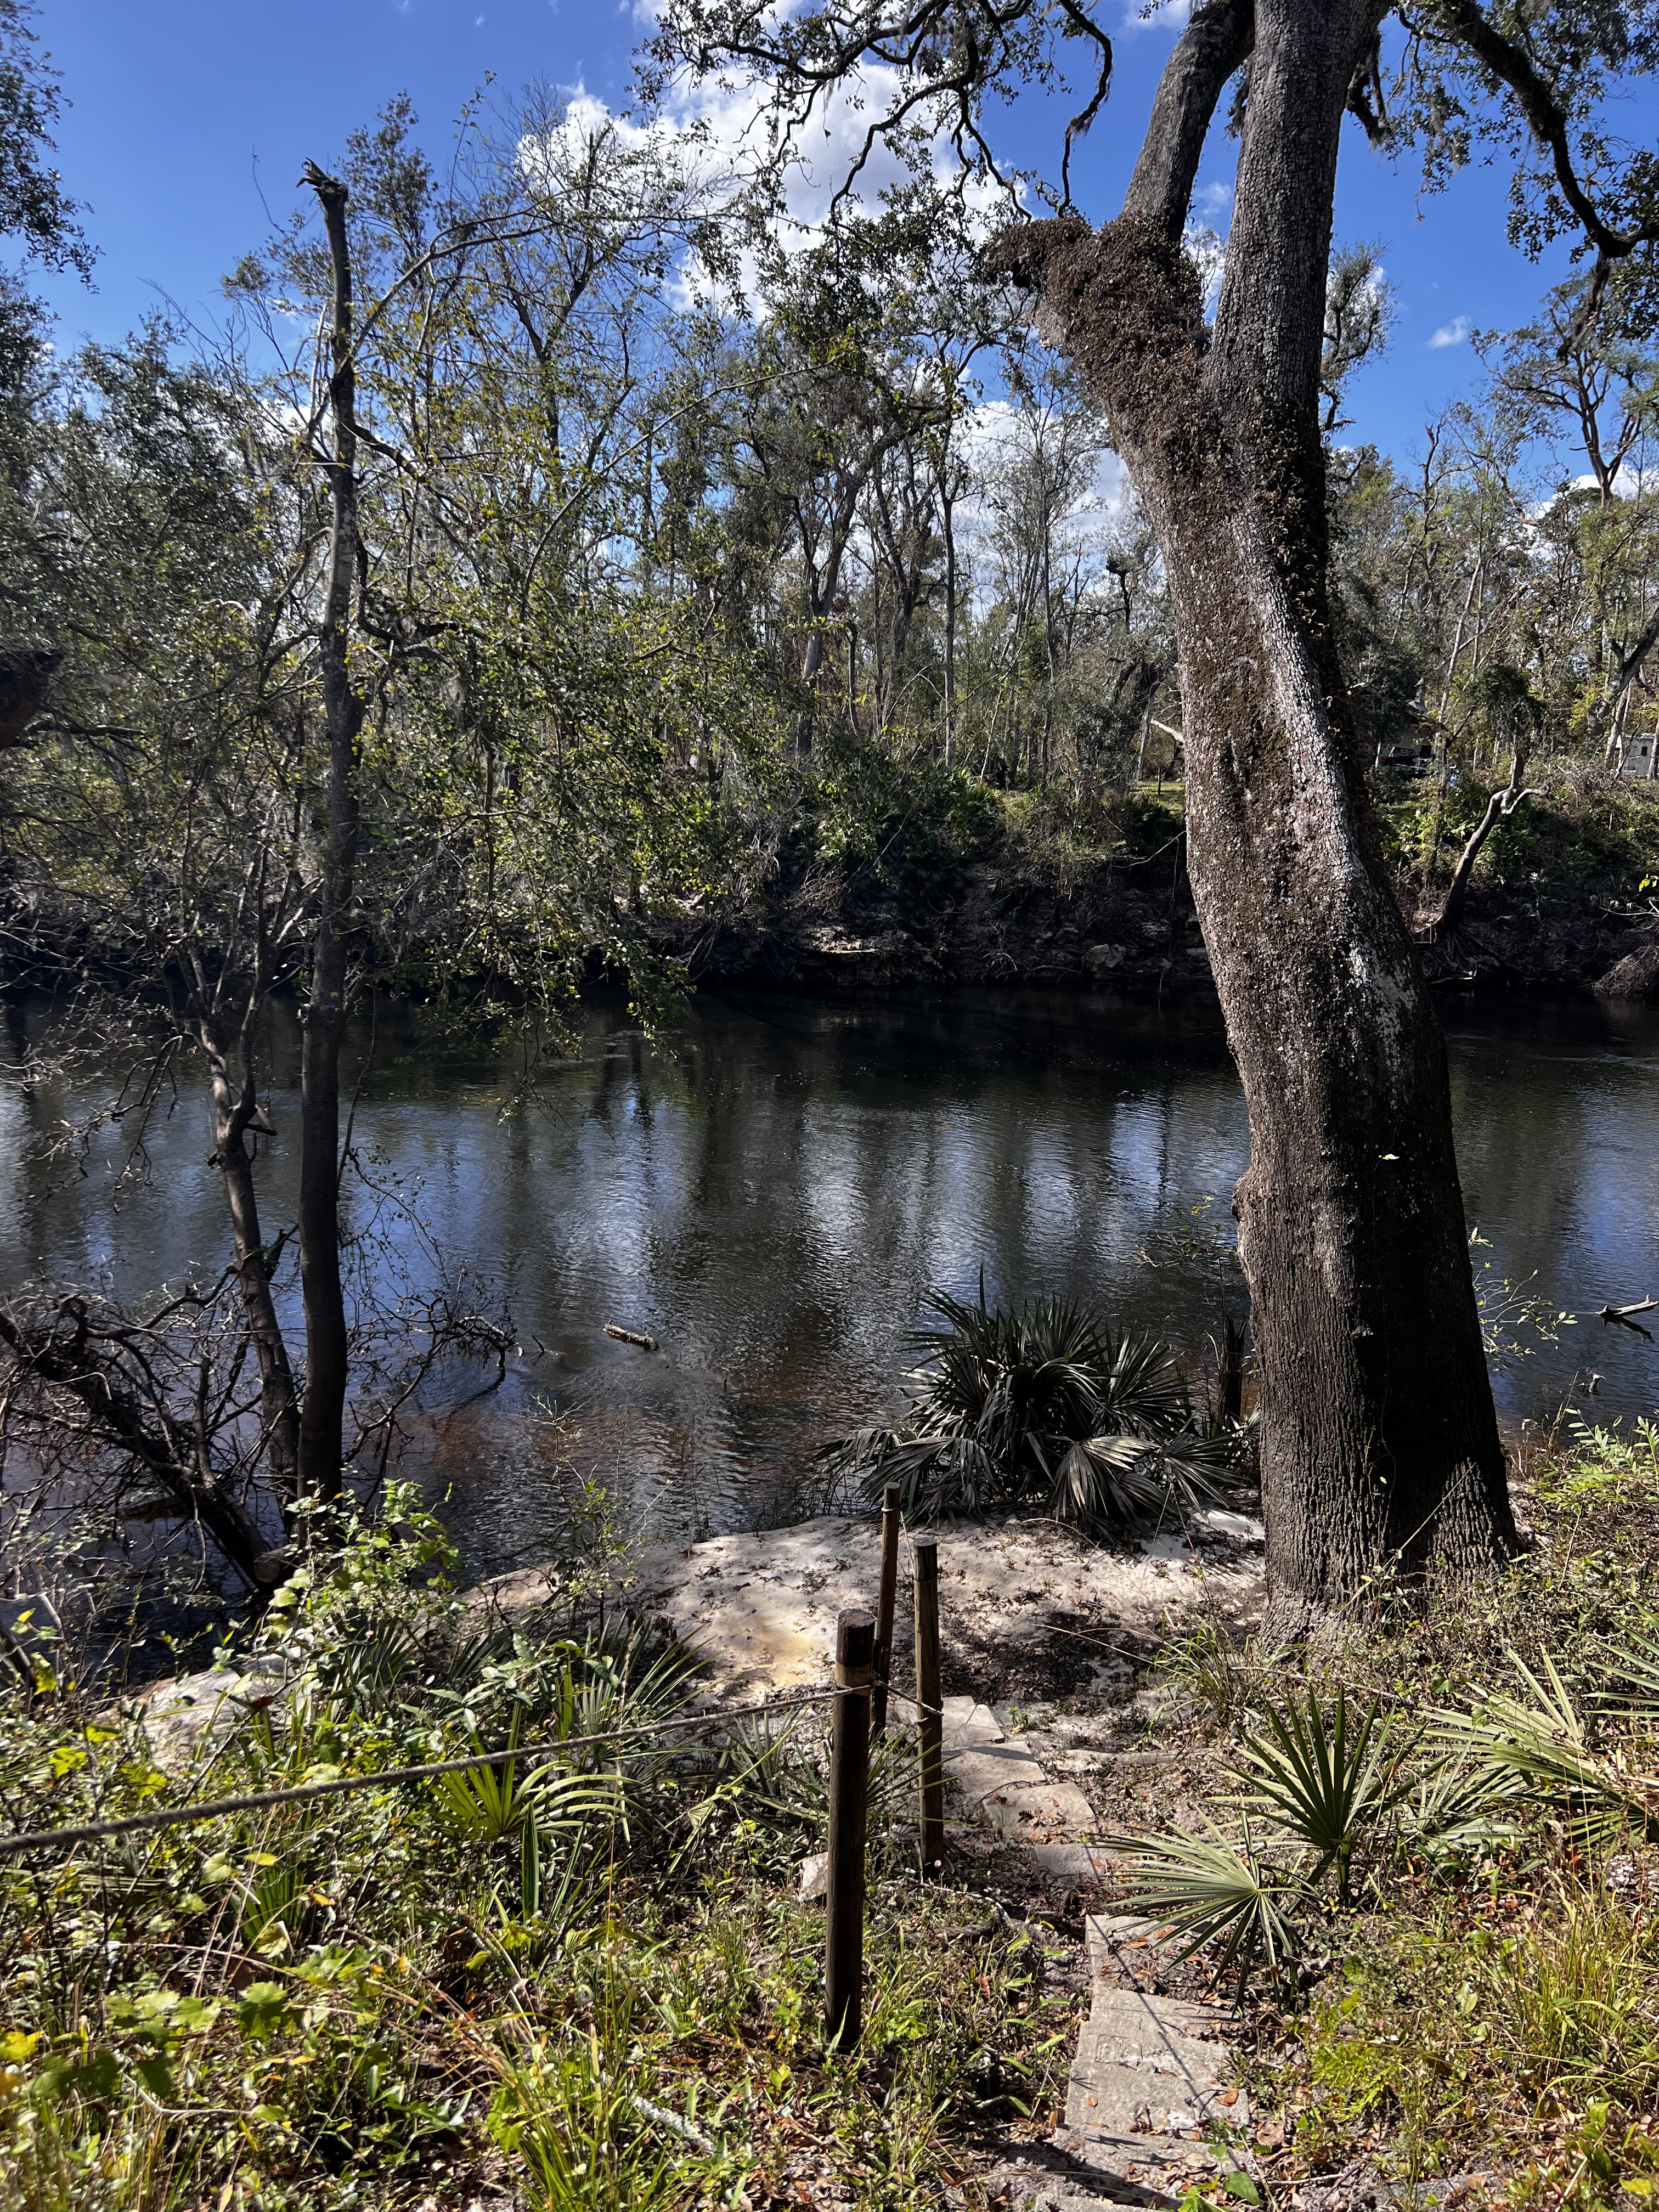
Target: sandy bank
{"type": "Point", "coordinates": [1028, 1608]}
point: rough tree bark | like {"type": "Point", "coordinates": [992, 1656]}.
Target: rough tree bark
{"type": "Point", "coordinates": [1379, 1444]}
{"type": "Point", "coordinates": [327, 1354]}
{"type": "Point", "coordinates": [235, 1115]}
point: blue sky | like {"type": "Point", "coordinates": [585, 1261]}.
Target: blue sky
{"type": "Point", "coordinates": [185, 113]}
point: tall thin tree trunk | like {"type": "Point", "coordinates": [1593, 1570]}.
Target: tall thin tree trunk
{"type": "Point", "coordinates": [235, 1112]}
{"type": "Point", "coordinates": [1457, 635]}
{"type": "Point", "coordinates": [323, 1411]}
{"type": "Point", "coordinates": [947, 501]}
{"type": "Point", "coordinates": [1380, 1450]}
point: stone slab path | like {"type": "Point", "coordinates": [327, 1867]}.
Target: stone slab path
{"type": "Point", "coordinates": [1153, 2076]}
{"type": "Point", "coordinates": [1002, 1783]}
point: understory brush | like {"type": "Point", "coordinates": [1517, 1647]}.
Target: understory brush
{"type": "Point", "coordinates": [1428, 1864]}
{"type": "Point", "coordinates": [583, 1977]}
{"type": "Point", "coordinates": [908, 826]}
{"type": "Point", "coordinates": [1588, 828]}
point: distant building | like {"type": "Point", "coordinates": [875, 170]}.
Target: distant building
{"type": "Point", "coordinates": [1634, 752]}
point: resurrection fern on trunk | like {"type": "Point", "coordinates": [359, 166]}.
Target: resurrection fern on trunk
{"type": "Point", "coordinates": [1046, 1406]}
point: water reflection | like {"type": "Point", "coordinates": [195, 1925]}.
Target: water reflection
{"type": "Point", "coordinates": [771, 1188]}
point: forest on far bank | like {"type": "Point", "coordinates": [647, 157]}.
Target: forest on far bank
{"type": "Point", "coordinates": [697, 578]}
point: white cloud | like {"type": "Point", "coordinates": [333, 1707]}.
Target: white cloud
{"type": "Point", "coordinates": [1214, 200]}
{"type": "Point", "coordinates": [1452, 333]}
{"type": "Point", "coordinates": [1627, 483]}
{"type": "Point", "coordinates": [721, 134]}
{"type": "Point", "coordinates": [1156, 15]}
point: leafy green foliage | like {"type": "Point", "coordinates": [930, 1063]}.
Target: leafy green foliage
{"type": "Point", "coordinates": [1310, 1789]}
{"type": "Point", "coordinates": [1043, 1405]}
{"type": "Point", "coordinates": [596, 1976]}
{"type": "Point", "coordinates": [1540, 1738]}
{"type": "Point", "coordinates": [34, 206]}
{"type": "Point", "coordinates": [1324, 1781]}
{"type": "Point", "coordinates": [1471, 2024]}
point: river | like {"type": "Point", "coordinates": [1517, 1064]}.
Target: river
{"type": "Point", "coordinates": [770, 1188]}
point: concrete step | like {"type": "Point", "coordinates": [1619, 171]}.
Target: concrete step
{"type": "Point", "coordinates": [1141, 2073]}
{"type": "Point", "coordinates": [1150, 2072]}
{"type": "Point", "coordinates": [1003, 1784]}
{"type": "Point", "coordinates": [1022, 2186]}
{"type": "Point", "coordinates": [1074, 1862]}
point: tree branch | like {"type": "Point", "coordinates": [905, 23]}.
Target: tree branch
{"type": "Point", "coordinates": [1214, 44]}
{"type": "Point", "coordinates": [1547, 119]}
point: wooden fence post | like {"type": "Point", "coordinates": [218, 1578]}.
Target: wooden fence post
{"type": "Point", "coordinates": [924, 1551]}
{"type": "Point", "coordinates": [886, 1595]}
{"type": "Point", "coordinates": [850, 1769]}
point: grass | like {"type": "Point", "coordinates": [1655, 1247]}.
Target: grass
{"type": "Point", "coordinates": [1513, 2028]}
{"type": "Point", "coordinates": [1484, 2011]}
{"type": "Point", "coordinates": [600, 1989]}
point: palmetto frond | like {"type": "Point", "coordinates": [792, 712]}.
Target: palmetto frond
{"type": "Point", "coordinates": [1046, 1405]}
{"type": "Point", "coordinates": [1456, 1809]}
{"type": "Point", "coordinates": [1219, 1890]}
{"type": "Point", "coordinates": [1324, 1779]}
{"type": "Point", "coordinates": [1546, 1746]}
{"type": "Point", "coordinates": [1119, 1481]}
{"type": "Point", "coordinates": [1635, 1668]}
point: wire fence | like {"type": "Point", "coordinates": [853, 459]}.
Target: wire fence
{"type": "Point", "coordinates": [861, 1685]}
{"type": "Point", "coordinates": [334, 1786]}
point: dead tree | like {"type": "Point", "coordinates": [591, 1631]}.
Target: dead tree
{"type": "Point", "coordinates": [1506, 701]}
{"type": "Point", "coordinates": [120, 1374]}
{"type": "Point", "coordinates": [322, 1411]}
{"type": "Point", "coordinates": [1499, 807]}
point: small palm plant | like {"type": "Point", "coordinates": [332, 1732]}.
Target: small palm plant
{"type": "Point", "coordinates": [1315, 1785]}
{"type": "Point", "coordinates": [1593, 1771]}
{"type": "Point", "coordinates": [1047, 1407]}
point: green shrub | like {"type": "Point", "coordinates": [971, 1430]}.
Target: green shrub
{"type": "Point", "coordinates": [1043, 1407]}
{"type": "Point", "coordinates": [593, 1972]}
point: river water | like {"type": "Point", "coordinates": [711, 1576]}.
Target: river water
{"type": "Point", "coordinates": [772, 1186]}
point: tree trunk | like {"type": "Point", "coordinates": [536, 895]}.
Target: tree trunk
{"type": "Point", "coordinates": [234, 1112]}
{"type": "Point", "coordinates": [323, 1412]}
{"type": "Point", "coordinates": [1379, 1444]}
{"type": "Point", "coordinates": [1499, 807]}
{"type": "Point", "coordinates": [1605, 716]}
{"type": "Point", "coordinates": [947, 501]}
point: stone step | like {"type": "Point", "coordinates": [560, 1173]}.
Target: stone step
{"type": "Point", "coordinates": [1150, 2072]}
{"type": "Point", "coordinates": [1002, 1783]}
{"type": "Point", "coordinates": [1141, 2074]}
{"type": "Point", "coordinates": [1022, 2185]}
{"type": "Point", "coordinates": [1073, 1863]}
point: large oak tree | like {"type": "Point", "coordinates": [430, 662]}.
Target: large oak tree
{"type": "Point", "coordinates": [1380, 1446]}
